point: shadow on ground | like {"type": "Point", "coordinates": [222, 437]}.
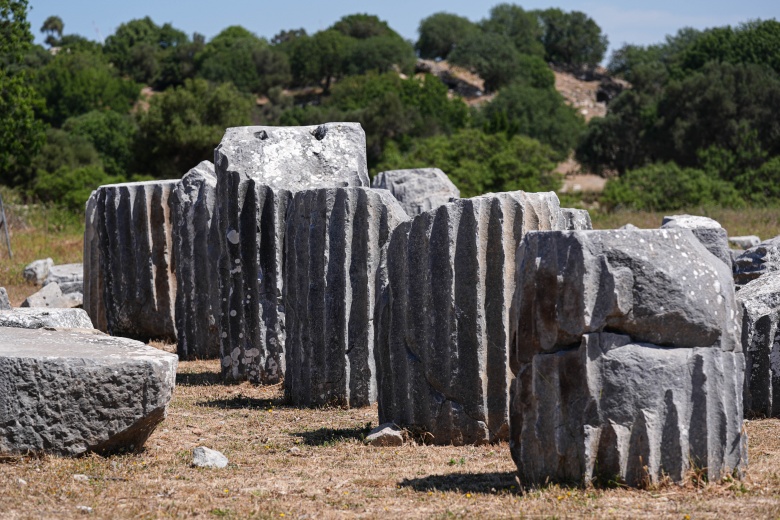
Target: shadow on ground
{"type": "Point", "coordinates": [242, 402]}
{"type": "Point", "coordinates": [201, 379]}
{"type": "Point", "coordinates": [330, 436]}
{"type": "Point", "coordinates": [490, 483]}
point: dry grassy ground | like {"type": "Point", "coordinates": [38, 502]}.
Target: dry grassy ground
{"type": "Point", "coordinates": [295, 463]}
{"type": "Point", "coordinates": [287, 462]}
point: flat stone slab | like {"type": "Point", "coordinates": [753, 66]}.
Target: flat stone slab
{"type": "Point", "coordinates": [72, 392]}
{"type": "Point", "coordinates": [36, 318]}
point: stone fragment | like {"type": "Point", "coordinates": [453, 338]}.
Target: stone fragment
{"type": "Point", "coordinates": [203, 457]}
{"type": "Point", "coordinates": [708, 231]}
{"type": "Point", "coordinates": [658, 286]}
{"type": "Point", "coordinates": [387, 434]}
{"type": "Point", "coordinates": [576, 219]}
{"type": "Point", "coordinates": [5, 304]}
{"type": "Point", "coordinates": [334, 241]}
{"type": "Point", "coordinates": [93, 274]}
{"type": "Point", "coordinates": [297, 157]}
{"type": "Point", "coordinates": [51, 296]}
{"type": "Point", "coordinates": [628, 227]}
{"type": "Point", "coordinates": [197, 289]}
{"type": "Point", "coordinates": [760, 300]}
{"type": "Point", "coordinates": [418, 190]}
{"type": "Point", "coordinates": [757, 261]}
{"type": "Point", "coordinates": [614, 410]}
{"type": "Point", "coordinates": [442, 318]}
{"type": "Point", "coordinates": [745, 242]}
{"type": "Point", "coordinates": [134, 238]}
{"type": "Point", "coordinates": [70, 392]}
{"type": "Point", "coordinates": [258, 169]}
{"type": "Point", "coordinates": [39, 318]}
{"type": "Point", "coordinates": [37, 271]}
{"type": "Point", "coordinates": [70, 277]}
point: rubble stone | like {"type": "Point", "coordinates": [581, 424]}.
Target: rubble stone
{"type": "Point", "coordinates": [5, 304]}
{"type": "Point", "coordinates": [37, 271]}
{"type": "Point", "coordinates": [576, 219]}
{"type": "Point", "coordinates": [757, 261]}
{"type": "Point", "coordinates": [51, 296]}
{"type": "Point", "coordinates": [71, 392]}
{"type": "Point", "coordinates": [418, 190]}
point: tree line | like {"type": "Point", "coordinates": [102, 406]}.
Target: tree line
{"type": "Point", "coordinates": [152, 101]}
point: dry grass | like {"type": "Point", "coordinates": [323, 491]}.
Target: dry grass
{"type": "Point", "coordinates": [288, 462]}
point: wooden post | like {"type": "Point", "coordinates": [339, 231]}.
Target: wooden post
{"type": "Point", "coordinates": [4, 225]}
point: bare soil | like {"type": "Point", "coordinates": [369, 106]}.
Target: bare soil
{"type": "Point", "coordinates": [288, 462]}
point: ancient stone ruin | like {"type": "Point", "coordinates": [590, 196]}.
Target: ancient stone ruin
{"type": "Point", "coordinates": [627, 358]}
{"type": "Point", "coordinates": [709, 232]}
{"type": "Point", "coordinates": [442, 319]}
{"type": "Point", "coordinates": [258, 170]}
{"type": "Point", "coordinates": [129, 255]}
{"type": "Point", "coordinates": [48, 382]}
{"type": "Point", "coordinates": [334, 243]}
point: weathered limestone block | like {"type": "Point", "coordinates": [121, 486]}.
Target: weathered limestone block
{"type": "Point", "coordinates": [708, 231]}
{"type": "Point", "coordinates": [5, 304]}
{"type": "Point", "coordinates": [193, 203]}
{"type": "Point", "coordinates": [37, 271]}
{"type": "Point", "coordinates": [135, 245]}
{"type": "Point", "coordinates": [93, 265]}
{"type": "Point", "coordinates": [70, 392]}
{"type": "Point", "coordinates": [70, 277]}
{"type": "Point", "coordinates": [334, 242]}
{"type": "Point", "coordinates": [576, 219]}
{"type": "Point", "coordinates": [745, 242]}
{"type": "Point", "coordinates": [615, 410]}
{"type": "Point", "coordinates": [51, 296]}
{"type": "Point", "coordinates": [41, 318]}
{"type": "Point", "coordinates": [757, 261]}
{"type": "Point", "coordinates": [442, 320]}
{"type": "Point", "coordinates": [418, 190]}
{"type": "Point", "coordinates": [258, 169]}
{"type": "Point", "coordinates": [658, 286]}
{"type": "Point", "coordinates": [760, 300]}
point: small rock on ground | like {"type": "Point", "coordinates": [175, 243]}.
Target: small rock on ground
{"type": "Point", "coordinates": [387, 434]}
{"type": "Point", "coordinates": [203, 457]}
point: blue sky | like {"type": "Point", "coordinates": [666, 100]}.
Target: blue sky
{"type": "Point", "coordinates": [623, 22]}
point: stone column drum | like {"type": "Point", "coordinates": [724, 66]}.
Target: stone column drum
{"type": "Point", "coordinates": [258, 169]}
{"type": "Point", "coordinates": [334, 242]}
{"type": "Point", "coordinates": [197, 296]}
{"type": "Point", "coordinates": [443, 315]}
{"type": "Point", "coordinates": [135, 255]}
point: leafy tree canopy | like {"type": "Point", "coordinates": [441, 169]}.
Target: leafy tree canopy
{"type": "Point", "coordinates": [572, 39]}
{"type": "Point", "coordinates": [363, 26]}
{"type": "Point", "coordinates": [520, 26]}
{"type": "Point", "coordinates": [111, 134]}
{"type": "Point", "coordinates": [440, 33]}
{"type": "Point", "coordinates": [491, 55]}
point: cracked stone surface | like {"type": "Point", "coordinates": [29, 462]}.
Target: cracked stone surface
{"type": "Point", "coordinates": [37, 271]}
{"type": "Point", "coordinates": [708, 231]}
{"type": "Point", "coordinates": [334, 243]}
{"type": "Point", "coordinates": [418, 190]}
{"type": "Point", "coordinates": [135, 253]}
{"type": "Point", "coordinates": [69, 392]}
{"type": "Point", "coordinates": [442, 319]}
{"type": "Point", "coordinates": [193, 204]}
{"type": "Point", "coordinates": [39, 318]}
{"type": "Point", "coordinates": [70, 277]}
{"type": "Point", "coordinates": [760, 301]}
{"type": "Point", "coordinates": [259, 169]}
{"type": "Point", "coordinates": [658, 286]}
{"type": "Point", "coordinates": [615, 410]}
{"type": "Point", "coordinates": [93, 274]}
{"type": "Point", "coordinates": [757, 261]}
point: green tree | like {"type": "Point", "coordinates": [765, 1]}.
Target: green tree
{"type": "Point", "coordinates": [184, 124]}
{"type": "Point", "coordinates": [319, 58]}
{"type": "Point", "coordinates": [75, 83]}
{"type": "Point", "coordinates": [540, 113]}
{"type": "Point", "coordinates": [380, 54]}
{"type": "Point", "coordinates": [491, 55]}
{"type": "Point", "coordinates": [479, 163]}
{"type": "Point", "coordinates": [238, 56]}
{"type": "Point", "coordinates": [521, 27]}
{"type": "Point", "coordinates": [21, 134]}
{"type": "Point", "coordinates": [572, 39]}
{"type": "Point", "coordinates": [442, 32]}
{"type": "Point", "coordinates": [132, 49]}
{"type": "Point", "coordinates": [363, 26]}
{"type": "Point", "coordinates": [753, 42]}
{"type": "Point", "coordinates": [53, 27]}
{"type": "Point", "coordinates": [111, 134]}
